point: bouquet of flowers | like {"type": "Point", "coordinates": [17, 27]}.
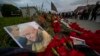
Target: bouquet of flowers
{"type": "Point", "coordinates": [90, 37]}
{"type": "Point", "coordinates": [63, 46]}
{"type": "Point", "coordinates": [59, 47]}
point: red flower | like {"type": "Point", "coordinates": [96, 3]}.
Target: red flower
{"type": "Point", "coordinates": [62, 51]}
{"type": "Point", "coordinates": [49, 53]}
{"type": "Point", "coordinates": [56, 38]}
{"type": "Point", "coordinates": [56, 26]}
{"type": "Point", "coordinates": [74, 34]}
{"type": "Point", "coordinates": [55, 42]}
{"type": "Point", "coordinates": [97, 32]}
{"type": "Point", "coordinates": [63, 40]}
{"type": "Point", "coordinates": [76, 53]}
{"type": "Point", "coordinates": [69, 39]}
{"type": "Point", "coordinates": [74, 26]}
{"type": "Point", "coordinates": [89, 42]}
{"type": "Point", "coordinates": [85, 36]}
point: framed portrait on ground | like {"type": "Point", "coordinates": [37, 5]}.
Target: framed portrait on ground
{"type": "Point", "coordinates": [29, 35]}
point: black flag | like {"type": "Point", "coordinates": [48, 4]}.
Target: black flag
{"type": "Point", "coordinates": [53, 7]}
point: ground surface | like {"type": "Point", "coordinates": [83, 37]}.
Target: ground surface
{"type": "Point", "coordinates": [89, 25]}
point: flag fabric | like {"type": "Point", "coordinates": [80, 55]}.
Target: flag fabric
{"type": "Point", "coordinates": [28, 11]}
{"type": "Point", "coordinates": [42, 6]}
{"type": "Point", "coordinates": [53, 7]}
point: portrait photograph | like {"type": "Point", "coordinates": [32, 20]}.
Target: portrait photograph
{"type": "Point", "coordinates": [29, 35]}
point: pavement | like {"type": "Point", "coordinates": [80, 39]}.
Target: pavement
{"type": "Point", "coordinates": [98, 19]}
{"type": "Point", "coordinates": [87, 24]}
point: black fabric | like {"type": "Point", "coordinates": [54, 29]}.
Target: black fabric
{"type": "Point", "coordinates": [16, 52]}
{"type": "Point", "coordinates": [24, 52]}
{"type": "Point", "coordinates": [85, 49]}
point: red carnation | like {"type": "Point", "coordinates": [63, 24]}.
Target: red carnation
{"type": "Point", "coordinates": [56, 38]}
{"type": "Point", "coordinates": [74, 26]}
{"type": "Point", "coordinates": [76, 53]}
{"type": "Point", "coordinates": [55, 42]}
{"type": "Point", "coordinates": [49, 53]}
{"type": "Point", "coordinates": [85, 36]}
{"type": "Point", "coordinates": [97, 32]}
{"type": "Point", "coordinates": [63, 40]}
{"type": "Point", "coordinates": [70, 39]}
{"type": "Point", "coordinates": [56, 26]}
{"type": "Point", "coordinates": [74, 34]}
{"type": "Point", "coordinates": [62, 51]}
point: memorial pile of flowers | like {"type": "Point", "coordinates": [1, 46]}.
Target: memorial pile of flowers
{"type": "Point", "coordinates": [91, 38]}
{"type": "Point", "coordinates": [62, 44]}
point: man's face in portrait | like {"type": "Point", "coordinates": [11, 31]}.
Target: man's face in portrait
{"type": "Point", "coordinates": [30, 33]}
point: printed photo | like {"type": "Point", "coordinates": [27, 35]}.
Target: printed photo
{"type": "Point", "coordinates": [30, 36]}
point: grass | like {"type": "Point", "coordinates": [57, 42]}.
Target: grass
{"type": "Point", "coordinates": [5, 39]}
